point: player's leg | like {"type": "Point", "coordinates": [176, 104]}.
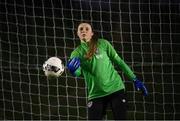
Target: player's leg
{"type": "Point", "coordinates": [119, 105]}
{"type": "Point", "coordinates": [96, 109]}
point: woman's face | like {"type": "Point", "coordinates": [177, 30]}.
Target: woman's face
{"type": "Point", "coordinates": [85, 32]}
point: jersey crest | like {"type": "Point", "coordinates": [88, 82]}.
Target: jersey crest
{"type": "Point", "coordinates": [98, 54]}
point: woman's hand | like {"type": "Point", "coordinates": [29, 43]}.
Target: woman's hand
{"type": "Point", "coordinates": [140, 86]}
{"type": "Point", "coordinates": [73, 65]}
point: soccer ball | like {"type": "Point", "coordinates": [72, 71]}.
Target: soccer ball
{"type": "Point", "coordinates": [53, 67]}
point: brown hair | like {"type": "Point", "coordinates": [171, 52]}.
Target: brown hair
{"type": "Point", "coordinates": [92, 47]}
{"type": "Point", "coordinates": [92, 43]}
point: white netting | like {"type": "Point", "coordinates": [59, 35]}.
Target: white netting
{"type": "Point", "coordinates": [144, 32]}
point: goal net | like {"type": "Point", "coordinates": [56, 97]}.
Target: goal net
{"type": "Point", "coordinates": [145, 33]}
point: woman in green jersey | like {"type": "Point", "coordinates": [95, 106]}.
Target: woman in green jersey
{"type": "Point", "coordinates": [93, 59]}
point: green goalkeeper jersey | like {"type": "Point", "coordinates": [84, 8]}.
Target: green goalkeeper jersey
{"type": "Point", "coordinates": [99, 73]}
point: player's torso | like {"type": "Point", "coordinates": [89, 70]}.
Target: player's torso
{"type": "Point", "coordinates": [99, 73]}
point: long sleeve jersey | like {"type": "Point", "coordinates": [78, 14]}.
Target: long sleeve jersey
{"type": "Point", "coordinates": [99, 73]}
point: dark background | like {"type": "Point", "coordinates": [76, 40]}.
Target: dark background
{"type": "Point", "coordinates": [145, 33]}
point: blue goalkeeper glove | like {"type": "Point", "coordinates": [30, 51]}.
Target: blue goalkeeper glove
{"type": "Point", "coordinates": [140, 86]}
{"type": "Point", "coordinates": [73, 65]}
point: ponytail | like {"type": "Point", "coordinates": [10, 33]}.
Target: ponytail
{"type": "Point", "coordinates": [92, 48]}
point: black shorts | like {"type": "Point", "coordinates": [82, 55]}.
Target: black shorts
{"type": "Point", "coordinates": [117, 102]}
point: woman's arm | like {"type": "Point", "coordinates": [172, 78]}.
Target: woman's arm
{"type": "Point", "coordinates": [114, 57]}
{"type": "Point", "coordinates": [126, 69]}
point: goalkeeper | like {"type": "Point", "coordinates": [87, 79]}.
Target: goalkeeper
{"type": "Point", "coordinates": [93, 58]}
